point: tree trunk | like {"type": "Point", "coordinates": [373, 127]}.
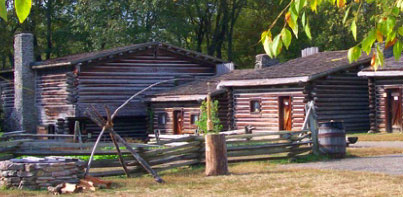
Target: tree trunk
{"type": "Point", "coordinates": [216, 155]}
{"type": "Point", "coordinates": [49, 8]}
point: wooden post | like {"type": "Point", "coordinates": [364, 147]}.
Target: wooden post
{"type": "Point", "coordinates": [76, 131]}
{"type": "Point", "coordinates": [209, 121]}
{"type": "Point", "coordinates": [157, 135]}
{"type": "Point", "coordinates": [216, 155]}
{"type": "Point", "coordinates": [311, 121]}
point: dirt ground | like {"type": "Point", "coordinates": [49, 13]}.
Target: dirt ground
{"type": "Point", "coordinates": [251, 179]}
{"type": "Point", "coordinates": [367, 172]}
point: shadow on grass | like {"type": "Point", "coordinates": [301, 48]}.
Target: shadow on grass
{"type": "Point", "coordinates": [302, 159]}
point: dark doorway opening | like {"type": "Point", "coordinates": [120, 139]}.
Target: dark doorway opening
{"type": "Point", "coordinates": [285, 116]}
{"type": "Point", "coordinates": [178, 122]}
{"type": "Point", "coordinates": [394, 110]}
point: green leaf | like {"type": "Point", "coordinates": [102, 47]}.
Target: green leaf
{"type": "Point", "coordinates": [263, 36]}
{"type": "Point", "coordinates": [295, 30]}
{"type": "Point", "coordinates": [354, 30]}
{"type": "Point", "coordinates": [299, 4]}
{"type": "Point", "coordinates": [397, 50]}
{"type": "Point", "coordinates": [379, 56]}
{"type": "Point", "coordinates": [401, 31]}
{"type": "Point", "coordinates": [303, 19]}
{"type": "Point", "coordinates": [346, 15]}
{"type": "Point", "coordinates": [286, 37]}
{"type": "Point", "coordinates": [276, 47]}
{"type": "Point", "coordinates": [308, 31]}
{"type": "Point", "coordinates": [3, 10]}
{"type": "Point", "coordinates": [314, 5]}
{"type": "Point", "coordinates": [267, 45]}
{"type": "Point", "coordinates": [23, 8]}
{"type": "Point", "coordinates": [395, 11]}
{"type": "Point", "coordinates": [353, 54]}
{"type": "Point", "coordinates": [367, 43]}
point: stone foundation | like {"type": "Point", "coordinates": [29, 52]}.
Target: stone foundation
{"type": "Point", "coordinates": [39, 173]}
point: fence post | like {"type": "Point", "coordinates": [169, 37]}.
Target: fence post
{"type": "Point", "coordinates": [313, 126]}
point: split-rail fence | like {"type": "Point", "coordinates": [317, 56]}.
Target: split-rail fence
{"type": "Point", "coordinates": [168, 151]}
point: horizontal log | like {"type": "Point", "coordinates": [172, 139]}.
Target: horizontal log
{"type": "Point", "coordinates": [265, 146]}
{"type": "Point", "coordinates": [261, 134]}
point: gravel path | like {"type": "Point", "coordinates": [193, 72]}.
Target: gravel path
{"type": "Point", "coordinates": [386, 144]}
{"type": "Point", "coordinates": [388, 164]}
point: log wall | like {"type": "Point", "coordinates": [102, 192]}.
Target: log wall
{"type": "Point", "coordinates": [55, 94]}
{"type": "Point", "coordinates": [168, 108]}
{"type": "Point", "coordinates": [7, 100]}
{"type": "Point", "coordinates": [127, 127]}
{"type": "Point", "coordinates": [189, 108]}
{"type": "Point", "coordinates": [343, 97]}
{"type": "Point", "coordinates": [113, 82]}
{"type": "Point", "coordinates": [268, 118]}
{"type": "Point", "coordinates": [379, 85]}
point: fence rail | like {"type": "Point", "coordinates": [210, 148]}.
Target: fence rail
{"type": "Point", "coordinates": [171, 151]}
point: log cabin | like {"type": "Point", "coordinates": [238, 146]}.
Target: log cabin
{"type": "Point", "coordinates": [176, 111]}
{"type": "Point", "coordinates": [273, 98]}
{"type": "Point", "coordinates": [56, 92]}
{"type": "Point", "coordinates": [385, 95]}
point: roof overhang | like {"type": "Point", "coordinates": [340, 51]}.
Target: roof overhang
{"type": "Point", "coordinates": [193, 97]}
{"type": "Point", "coordinates": [51, 65]}
{"type": "Point", "coordinates": [177, 98]}
{"type": "Point", "coordinates": [380, 73]}
{"type": "Point", "coordinates": [262, 82]}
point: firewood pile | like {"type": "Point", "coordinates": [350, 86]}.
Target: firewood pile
{"type": "Point", "coordinates": [88, 184]}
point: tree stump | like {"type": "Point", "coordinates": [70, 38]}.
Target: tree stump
{"type": "Point", "coordinates": [216, 155]}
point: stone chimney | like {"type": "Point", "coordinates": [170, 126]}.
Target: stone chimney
{"type": "Point", "coordinates": [388, 52]}
{"type": "Point", "coordinates": [309, 51]}
{"type": "Point", "coordinates": [263, 60]}
{"type": "Point", "coordinates": [224, 68]}
{"type": "Point", "coordinates": [24, 82]}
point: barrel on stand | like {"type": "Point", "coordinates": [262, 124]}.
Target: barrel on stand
{"type": "Point", "coordinates": [332, 139]}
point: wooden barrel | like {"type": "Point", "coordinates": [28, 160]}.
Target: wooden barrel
{"type": "Point", "coordinates": [332, 139]}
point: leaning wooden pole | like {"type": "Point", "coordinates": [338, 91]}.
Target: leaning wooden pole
{"type": "Point", "coordinates": [120, 156]}
{"type": "Point", "coordinates": [108, 126]}
{"type": "Point", "coordinates": [141, 161]}
{"type": "Point", "coordinates": [121, 160]}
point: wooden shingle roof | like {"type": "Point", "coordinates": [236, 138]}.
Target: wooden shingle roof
{"type": "Point", "coordinates": [200, 86]}
{"type": "Point", "coordinates": [390, 68]}
{"type": "Point", "coordinates": [301, 69]}
{"type": "Point", "coordinates": [109, 53]}
{"type": "Point", "coordinates": [309, 66]}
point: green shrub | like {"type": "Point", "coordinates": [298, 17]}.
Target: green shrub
{"type": "Point", "coordinates": [202, 122]}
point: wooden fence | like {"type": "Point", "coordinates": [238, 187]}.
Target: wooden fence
{"type": "Point", "coordinates": [170, 151]}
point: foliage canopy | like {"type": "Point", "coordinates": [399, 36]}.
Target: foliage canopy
{"type": "Point", "coordinates": [385, 15]}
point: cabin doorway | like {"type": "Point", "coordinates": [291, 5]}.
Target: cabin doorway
{"type": "Point", "coordinates": [178, 122]}
{"type": "Point", "coordinates": [394, 110]}
{"type": "Point", "coordinates": [285, 118]}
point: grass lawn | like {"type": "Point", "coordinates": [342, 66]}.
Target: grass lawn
{"type": "Point", "coordinates": [377, 136]}
{"type": "Point", "coordinates": [249, 179]}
